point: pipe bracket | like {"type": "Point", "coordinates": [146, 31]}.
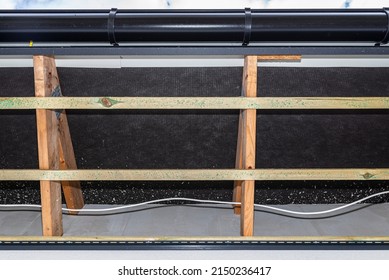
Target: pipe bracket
{"type": "Point", "coordinates": [247, 26]}
{"type": "Point", "coordinates": [111, 26]}
{"type": "Point", "coordinates": [386, 37]}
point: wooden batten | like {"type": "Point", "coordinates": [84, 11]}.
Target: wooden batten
{"type": "Point", "coordinates": [283, 58]}
{"type": "Point", "coordinates": [46, 80]}
{"type": "Point", "coordinates": [245, 154]}
{"type": "Point", "coordinates": [340, 174]}
{"type": "Point", "coordinates": [237, 193]}
{"type": "Point", "coordinates": [55, 149]}
{"type": "Point", "coordinates": [196, 103]}
{"type": "Point", "coordinates": [71, 189]}
{"type": "Point", "coordinates": [106, 239]}
{"type": "Point", "coordinates": [248, 147]}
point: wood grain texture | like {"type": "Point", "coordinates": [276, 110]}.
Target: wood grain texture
{"type": "Point", "coordinates": [341, 174]}
{"type": "Point", "coordinates": [248, 146]}
{"type": "Point", "coordinates": [46, 80]}
{"type": "Point", "coordinates": [237, 192]}
{"type": "Point", "coordinates": [198, 103]}
{"type": "Point", "coordinates": [193, 238]}
{"type": "Point", "coordinates": [285, 58]}
{"type": "Point", "coordinates": [71, 189]}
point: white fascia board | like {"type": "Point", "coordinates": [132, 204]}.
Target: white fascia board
{"type": "Point", "coordinates": [195, 61]}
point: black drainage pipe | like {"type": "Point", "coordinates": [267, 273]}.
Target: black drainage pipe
{"type": "Point", "coordinates": [198, 26]}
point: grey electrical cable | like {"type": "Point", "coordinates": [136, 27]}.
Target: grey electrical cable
{"type": "Point", "coordinates": [277, 209]}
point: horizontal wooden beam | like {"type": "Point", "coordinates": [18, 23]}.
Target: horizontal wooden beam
{"type": "Point", "coordinates": [192, 174]}
{"type": "Point", "coordinates": [192, 238]}
{"type": "Point", "coordinates": [12, 103]}
{"type": "Point", "coordinates": [282, 58]}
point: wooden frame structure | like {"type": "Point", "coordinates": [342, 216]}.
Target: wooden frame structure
{"type": "Point", "coordinates": [57, 165]}
{"type": "Point", "coordinates": [55, 150]}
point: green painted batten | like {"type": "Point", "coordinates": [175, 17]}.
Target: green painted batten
{"type": "Point", "coordinates": [203, 103]}
{"type": "Point", "coordinates": [192, 174]}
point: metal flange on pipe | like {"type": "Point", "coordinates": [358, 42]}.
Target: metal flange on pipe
{"type": "Point", "coordinates": [177, 27]}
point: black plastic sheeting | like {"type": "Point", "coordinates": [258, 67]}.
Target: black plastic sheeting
{"type": "Point", "coordinates": [196, 26]}
{"type": "Point", "coordinates": [205, 139]}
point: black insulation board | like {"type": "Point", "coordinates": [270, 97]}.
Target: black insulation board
{"type": "Point", "coordinates": [205, 139]}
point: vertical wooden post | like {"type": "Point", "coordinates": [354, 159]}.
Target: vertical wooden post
{"type": "Point", "coordinates": [245, 156]}
{"type": "Point", "coordinates": [46, 80]}
{"type": "Point", "coordinates": [55, 149]}
{"type": "Point", "coordinates": [245, 152]}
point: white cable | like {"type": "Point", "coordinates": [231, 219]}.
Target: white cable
{"type": "Point", "coordinates": [324, 211]}
{"type": "Point", "coordinates": [154, 201]}
{"type": "Point", "coordinates": [20, 206]}
{"type": "Point", "coordinates": [202, 201]}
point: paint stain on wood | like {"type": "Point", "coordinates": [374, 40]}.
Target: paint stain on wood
{"type": "Point", "coordinates": [108, 102]}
